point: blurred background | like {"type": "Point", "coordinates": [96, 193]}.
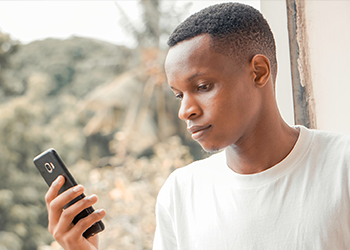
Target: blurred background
{"type": "Point", "coordinates": [86, 78]}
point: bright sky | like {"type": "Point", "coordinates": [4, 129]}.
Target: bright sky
{"type": "Point", "coordinates": [27, 21]}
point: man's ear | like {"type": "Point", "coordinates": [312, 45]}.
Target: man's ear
{"type": "Point", "coordinates": [262, 70]}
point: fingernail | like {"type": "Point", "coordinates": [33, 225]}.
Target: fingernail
{"type": "Point", "coordinates": [90, 197]}
{"type": "Point", "coordinates": [78, 188]}
{"type": "Point", "coordinates": [57, 181]}
{"type": "Point", "coordinates": [99, 211]}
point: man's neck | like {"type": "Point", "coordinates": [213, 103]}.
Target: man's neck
{"type": "Point", "coordinates": [263, 148]}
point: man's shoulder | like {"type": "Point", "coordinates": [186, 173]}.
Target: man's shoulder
{"type": "Point", "coordinates": [329, 146]}
{"type": "Point", "coordinates": [330, 138]}
{"type": "Point", "coordinates": [207, 165]}
{"type": "Point", "coordinates": [183, 178]}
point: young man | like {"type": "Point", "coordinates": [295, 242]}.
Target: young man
{"type": "Point", "coordinates": [272, 186]}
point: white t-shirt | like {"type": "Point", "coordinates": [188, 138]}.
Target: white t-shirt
{"type": "Point", "coordinates": [302, 202]}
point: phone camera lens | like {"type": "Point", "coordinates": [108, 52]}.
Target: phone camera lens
{"type": "Point", "coordinates": [49, 167]}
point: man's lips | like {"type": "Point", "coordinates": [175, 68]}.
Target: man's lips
{"type": "Point", "coordinates": [198, 131]}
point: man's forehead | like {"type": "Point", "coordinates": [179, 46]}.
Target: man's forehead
{"type": "Point", "coordinates": [186, 49]}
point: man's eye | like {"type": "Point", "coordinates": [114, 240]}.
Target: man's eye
{"type": "Point", "coordinates": [203, 86]}
{"type": "Point", "coordinates": [178, 97]}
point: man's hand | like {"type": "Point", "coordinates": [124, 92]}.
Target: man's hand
{"type": "Point", "coordinates": [69, 236]}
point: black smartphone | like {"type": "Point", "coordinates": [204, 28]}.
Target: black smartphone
{"type": "Point", "coordinates": [50, 166]}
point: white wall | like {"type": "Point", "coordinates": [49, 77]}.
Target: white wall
{"type": "Point", "coordinates": [328, 27]}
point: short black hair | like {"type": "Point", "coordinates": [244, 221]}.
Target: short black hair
{"type": "Point", "coordinates": [235, 29]}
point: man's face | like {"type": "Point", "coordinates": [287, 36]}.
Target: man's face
{"type": "Point", "coordinates": [219, 100]}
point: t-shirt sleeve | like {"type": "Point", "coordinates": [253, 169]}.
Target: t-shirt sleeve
{"type": "Point", "coordinates": [165, 238]}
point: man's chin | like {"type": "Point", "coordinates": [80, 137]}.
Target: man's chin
{"type": "Point", "coordinates": [212, 149]}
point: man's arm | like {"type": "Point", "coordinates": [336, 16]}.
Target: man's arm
{"type": "Point", "coordinates": [69, 236]}
{"type": "Point", "coordinates": [165, 237]}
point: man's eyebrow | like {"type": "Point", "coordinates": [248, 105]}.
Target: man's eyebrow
{"type": "Point", "coordinates": [189, 78]}
{"type": "Point", "coordinates": [194, 76]}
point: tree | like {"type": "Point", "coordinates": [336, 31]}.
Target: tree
{"type": "Point", "coordinates": [7, 48]}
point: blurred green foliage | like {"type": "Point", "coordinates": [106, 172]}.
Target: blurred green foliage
{"type": "Point", "coordinates": [109, 113]}
{"type": "Point", "coordinates": [41, 115]}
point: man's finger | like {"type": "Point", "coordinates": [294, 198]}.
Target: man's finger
{"type": "Point", "coordinates": [52, 194]}
{"type": "Point", "coordinates": [87, 222]}
{"type": "Point", "coordinates": [55, 207]}
{"type": "Point", "coordinates": [55, 187]}
{"type": "Point", "coordinates": [68, 214]}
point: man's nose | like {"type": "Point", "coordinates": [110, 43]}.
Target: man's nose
{"type": "Point", "coordinates": [189, 108]}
